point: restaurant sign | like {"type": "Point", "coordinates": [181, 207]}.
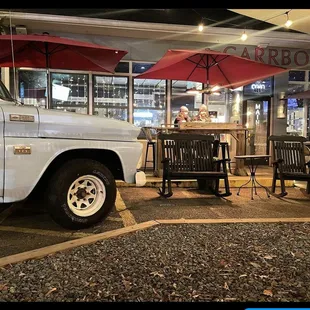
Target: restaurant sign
{"type": "Point", "coordinates": [259, 88]}
{"type": "Point", "coordinates": [284, 57]}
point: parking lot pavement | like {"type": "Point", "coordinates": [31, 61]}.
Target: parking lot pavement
{"type": "Point", "coordinates": [194, 204]}
{"type": "Point", "coordinates": [26, 226]}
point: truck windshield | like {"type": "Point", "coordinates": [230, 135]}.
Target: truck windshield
{"type": "Point", "coordinates": [4, 93]}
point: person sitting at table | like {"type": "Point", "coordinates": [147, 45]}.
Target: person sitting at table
{"type": "Point", "coordinates": [182, 116]}
{"type": "Point", "coordinates": [202, 115]}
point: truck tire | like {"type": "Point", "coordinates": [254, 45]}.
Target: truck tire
{"type": "Point", "coordinates": [81, 193]}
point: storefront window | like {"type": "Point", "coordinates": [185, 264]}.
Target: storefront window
{"type": "Point", "coordinates": [257, 121]}
{"type": "Point", "coordinates": [295, 76]}
{"type": "Point", "coordinates": [70, 92]}
{"type": "Point", "coordinates": [140, 67]}
{"type": "Point", "coordinates": [218, 109]}
{"type": "Point", "coordinates": [32, 87]}
{"type": "Point", "coordinates": [180, 97]}
{"type": "Point", "coordinates": [149, 102]}
{"type": "Point", "coordinates": [295, 109]}
{"type": "Point", "coordinates": [122, 67]}
{"type": "Point", "coordinates": [295, 116]}
{"type": "Point", "coordinates": [111, 96]}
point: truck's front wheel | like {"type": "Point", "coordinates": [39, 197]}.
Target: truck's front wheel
{"type": "Point", "coordinates": [81, 193]}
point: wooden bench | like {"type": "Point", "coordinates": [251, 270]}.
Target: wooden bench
{"type": "Point", "coordinates": [289, 161]}
{"type": "Point", "coordinates": [191, 156]}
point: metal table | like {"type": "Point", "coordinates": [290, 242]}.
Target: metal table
{"type": "Point", "coordinates": [253, 166]}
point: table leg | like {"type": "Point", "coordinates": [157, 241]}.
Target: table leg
{"type": "Point", "coordinates": [253, 180]}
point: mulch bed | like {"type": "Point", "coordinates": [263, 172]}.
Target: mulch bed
{"type": "Point", "coordinates": [189, 262]}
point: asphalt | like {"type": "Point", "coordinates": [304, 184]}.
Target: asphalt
{"type": "Point", "coordinates": [28, 226]}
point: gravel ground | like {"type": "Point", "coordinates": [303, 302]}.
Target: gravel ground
{"type": "Point", "coordinates": [193, 262]}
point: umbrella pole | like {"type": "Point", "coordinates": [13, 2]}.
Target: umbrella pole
{"type": "Point", "coordinates": [48, 89]}
{"type": "Point", "coordinates": [208, 119]}
{"type": "Point", "coordinates": [48, 77]}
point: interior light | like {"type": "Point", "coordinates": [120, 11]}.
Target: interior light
{"type": "Point", "coordinates": [200, 27]}
{"type": "Point", "coordinates": [215, 88]}
{"type": "Point", "coordinates": [216, 93]}
{"type": "Point", "coordinates": [192, 90]}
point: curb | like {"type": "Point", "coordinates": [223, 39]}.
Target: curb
{"type": "Point", "coordinates": [41, 252]}
{"type": "Point", "coordinates": [52, 249]}
{"type": "Point", "coordinates": [233, 183]}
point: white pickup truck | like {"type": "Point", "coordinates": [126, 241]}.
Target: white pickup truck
{"type": "Point", "coordinates": [74, 158]}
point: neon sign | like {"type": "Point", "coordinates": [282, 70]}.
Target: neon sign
{"type": "Point", "coordinates": [258, 87]}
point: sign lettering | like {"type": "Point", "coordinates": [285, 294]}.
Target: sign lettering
{"type": "Point", "coordinates": [257, 113]}
{"type": "Point", "coordinates": [290, 58]}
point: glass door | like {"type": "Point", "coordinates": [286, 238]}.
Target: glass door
{"type": "Point", "coordinates": [257, 119]}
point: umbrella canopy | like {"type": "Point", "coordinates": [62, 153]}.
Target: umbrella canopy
{"type": "Point", "coordinates": [209, 67]}
{"type": "Point", "coordinates": [52, 52]}
{"type": "Point", "coordinates": [301, 95]}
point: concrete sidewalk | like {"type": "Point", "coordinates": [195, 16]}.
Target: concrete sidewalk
{"type": "Point", "coordinates": [263, 175]}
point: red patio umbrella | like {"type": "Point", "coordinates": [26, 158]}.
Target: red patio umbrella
{"type": "Point", "coordinates": [209, 67]}
{"type": "Point", "coordinates": [52, 52]}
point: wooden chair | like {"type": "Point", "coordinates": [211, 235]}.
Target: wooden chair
{"type": "Point", "coordinates": [289, 161]}
{"type": "Point", "coordinates": [191, 156]}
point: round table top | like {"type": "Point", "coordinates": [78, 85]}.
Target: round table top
{"type": "Point", "coordinates": [251, 156]}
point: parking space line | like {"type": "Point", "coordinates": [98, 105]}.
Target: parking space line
{"type": "Point", "coordinates": [45, 232]}
{"type": "Point", "coordinates": [234, 220]}
{"type": "Point", "coordinates": [126, 215]}
{"type": "Point", "coordinates": [114, 219]}
{"type": "Point", "coordinates": [10, 210]}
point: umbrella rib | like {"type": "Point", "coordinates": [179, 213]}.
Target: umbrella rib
{"type": "Point", "coordinates": [55, 49]}
{"type": "Point", "coordinates": [217, 62]}
{"type": "Point", "coordinates": [196, 63]}
{"type": "Point", "coordinates": [31, 44]}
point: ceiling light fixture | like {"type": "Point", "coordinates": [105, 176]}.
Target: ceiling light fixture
{"type": "Point", "coordinates": [193, 90]}
{"type": "Point", "coordinates": [208, 90]}
{"type": "Point", "coordinates": [288, 22]}
{"type": "Point", "coordinates": [244, 36]}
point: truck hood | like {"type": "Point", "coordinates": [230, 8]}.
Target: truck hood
{"type": "Point", "coordinates": [58, 124]}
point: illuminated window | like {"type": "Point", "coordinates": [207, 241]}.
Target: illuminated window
{"type": "Point", "coordinates": [149, 102]}
{"type": "Point", "coordinates": [181, 98]}
{"type": "Point", "coordinates": [111, 96]}
{"type": "Point", "coordinates": [70, 92]}
{"type": "Point", "coordinates": [32, 87]}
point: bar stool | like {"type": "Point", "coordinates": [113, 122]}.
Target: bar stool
{"type": "Point", "coordinates": [225, 153]}
{"type": "Point", "coordinates": [150, 143]}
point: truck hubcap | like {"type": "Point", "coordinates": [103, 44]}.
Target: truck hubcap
{"type": "Point", "coordinates": [86, 195]}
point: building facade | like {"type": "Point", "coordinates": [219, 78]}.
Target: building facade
{"type": "Point", "coordinates": [154, 102]}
